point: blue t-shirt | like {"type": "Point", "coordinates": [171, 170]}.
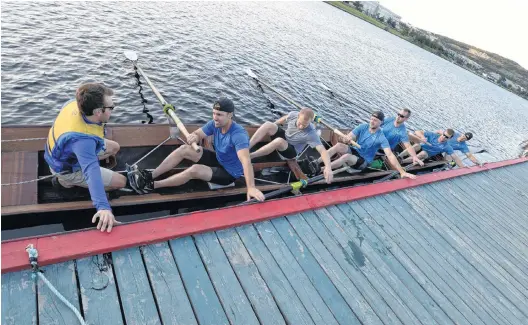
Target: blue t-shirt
{"type": "Point", "coordinates": [394, 134]}
{"type": "Point", "coordinates": [226, 146]}
{"type": "Point", "coordinates": [436, 147]}
{"type": "Point", "coordinates": [462, 146]}
{"type": "Point", "coordinates": [370, 143]}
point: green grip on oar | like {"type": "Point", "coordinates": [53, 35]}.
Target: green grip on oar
{"type": "Point", "coordinates": [317, 118]}
{"type": "Point", "coordinates": [298, 185]}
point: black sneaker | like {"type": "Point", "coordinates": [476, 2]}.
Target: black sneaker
{"type": "Point", "coordinates": [140, 180]}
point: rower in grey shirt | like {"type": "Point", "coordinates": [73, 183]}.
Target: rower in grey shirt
{"type": "Point", "coordinates": [290, 142]}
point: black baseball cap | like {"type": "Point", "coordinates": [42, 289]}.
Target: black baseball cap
{"type": "Point", "coordinates": [224, 104]}
{"type": "Point", "coordinates": [379, 115]}
{"type": "Point", "coordinates": [468, 135]}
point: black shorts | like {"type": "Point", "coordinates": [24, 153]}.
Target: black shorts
{"type": "Point", "coordinates": [290, 152]}
{"type": "Point", "coordinates": [220, 175]}
{"type": "Point", "coordinates": [361, 164]}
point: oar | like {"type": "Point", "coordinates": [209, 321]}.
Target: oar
{"type": "Point", "coordinates": [292, 102]}
{"type": "Point", "coordinates": [167, 108]}
{"type": "Point", "coordinates": [391, 175]}
{"type": "Point", "coordinates": [297, 185]}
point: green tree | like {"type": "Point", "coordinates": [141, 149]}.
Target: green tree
{"type": "Point", "coordinates": [358, 5]}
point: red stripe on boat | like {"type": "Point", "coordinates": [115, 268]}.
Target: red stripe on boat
{"type": "Point", "coordinates": [60, 248]}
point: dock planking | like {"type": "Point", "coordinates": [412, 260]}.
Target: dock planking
{"type": "Point", "coordinates": [98, 289]}
{"type": "Point", "coordinates": [452, 252]}
{"type": "Point", "coordinates": [256, 289]}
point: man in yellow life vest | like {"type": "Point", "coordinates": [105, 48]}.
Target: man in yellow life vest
{"type": "Point", "coordinates": [76, 143]}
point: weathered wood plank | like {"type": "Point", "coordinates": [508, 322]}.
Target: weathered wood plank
{"type": "Point", "coordinates": [515, 227]}
{"type": "Point", "coordinates": [346, 286]}
{"type": "Point", "coordinates": [299, 280]}
{"type": "Point", "coordinates": [378, 250]}
{"type": "Point", "coordinates": [405, 226]}
{"type": "Point", "coordinates": [287, 300]}
{"type": "Point", "coordinates": [480, 277]}
{"type": "Point", "coordinates": [202, 295]}
{"type": "Point", "coordinates": [173, 304]}
{"type": "Point", "coordinates": [233, 298]}
{"type": "Point", "coordinates": [468, 242]}
{"type": "Point", "coordinates": [485, 239]}
{"type": "Point", "coordinates": [137, 300]}
{"type": "Point", "coordinates": [505, 226]}
{"type": "Point", "coordinates": [398, 260]}
{"type": "Point", "coordinates": [250, 279]}
{"type": "Point", "coordinates": [99, 297]}
{"type": "Point", "coordinates": [19, 299]}
{"type": "Point", "coordinates": [19, 167]}
{"type": "Point", "coordinates": [51, 309]}
{"type": "Point", "coordinates": [316, 272]}
{"type": "Point", "coordinates": [497, 202]}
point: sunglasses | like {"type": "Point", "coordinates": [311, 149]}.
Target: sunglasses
{"type": "Point", "coordinates": [108, 107]}
{"type": "Point", "coordinates": [402, 116]}
{"type": "Point", "coordinates": [445, 135]}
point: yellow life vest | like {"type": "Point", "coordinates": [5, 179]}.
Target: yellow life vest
{"type": "Point", "coordinates": [70, 119]}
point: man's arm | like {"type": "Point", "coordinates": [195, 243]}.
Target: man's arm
{"type": "Point", "coordinates": [243, 156]}
{"type": "Point", "coordinates": [457, 160]}
{"type": "Point", "coordinates": [196, 136]}
{"type": "Point", "coordinates": [396, 164]}
{"type": "Point", "coordinates": [326, 160]}
{"type": "Point", "coordinates": [282, 120]}
{"type": "Point", "coordinates": [472, 158]}
{"type": "Point", "coordinates": [411, 152]}
{"type": "Point", "coordinates": [417, 137]}
{"type": "Point", "coordinates": [84, 150]}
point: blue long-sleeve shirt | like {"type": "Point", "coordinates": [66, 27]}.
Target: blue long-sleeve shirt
{"type": "Point", "coordinates": [85, 151]}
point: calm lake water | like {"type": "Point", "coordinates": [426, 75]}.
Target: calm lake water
{"type": "Point", "coordinates": [196, 52]}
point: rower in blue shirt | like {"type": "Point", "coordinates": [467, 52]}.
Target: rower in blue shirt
{"type": "Point", "coordinates": [395, 131]}
{"type": "Point", "coordinates": [458, 142]}
{"type": "Point", "coordinates": [431, 145]}
{"type": "Point", "coordinates": [229, 162]}
{"type": "Point", "coordinates": [76, 142]}
{"type": "Point", "coordinates": [371, 138]}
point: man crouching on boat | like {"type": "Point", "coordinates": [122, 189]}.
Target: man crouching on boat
{"type": "Point", "coordinates": [371, 138]}
{"type": "Point", "coordinates": [76, 143]}
{"type": "Point", "coordinates": [230, 162]}
{"type": "Point", "coordinates": [290, 142]}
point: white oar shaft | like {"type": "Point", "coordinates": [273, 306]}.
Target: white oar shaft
{"type": "Point", "coordinates": [171, 113]}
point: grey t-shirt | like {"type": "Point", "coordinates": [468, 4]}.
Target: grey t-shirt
{"type": "Point", "coordinates": [300, 138]}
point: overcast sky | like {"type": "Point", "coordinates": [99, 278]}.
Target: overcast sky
{"type": "Point", "coordinates": [494, 26]}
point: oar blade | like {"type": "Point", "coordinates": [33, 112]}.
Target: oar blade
{"type": "Point", "coordinates": [324, 87]}
{"type": "Point", "coordinates": [131, 55]}
{"type": "Point", "coordinates": [251, 73]}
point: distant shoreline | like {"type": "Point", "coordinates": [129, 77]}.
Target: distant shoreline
{"type": "Point", "coordinates": [373, 21]}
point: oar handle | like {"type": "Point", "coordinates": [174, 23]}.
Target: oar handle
{"type": "Point", "coordinates": [169, 112]}
{"type": "Point", "coordinates": [339, 133]}
{"type": "Point", "coordinates": [182, 128]}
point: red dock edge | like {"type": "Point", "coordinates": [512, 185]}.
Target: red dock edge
{"type": "Point", "coordinates": [64, 247]}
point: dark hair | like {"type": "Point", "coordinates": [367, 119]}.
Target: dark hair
{"type": "Point", "coordinates": [407, 111]}
{"type": "Point", "coordinates": [90, 96]}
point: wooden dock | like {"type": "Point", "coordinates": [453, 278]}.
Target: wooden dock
{"type": "Point", "coordinates": [450, 252]}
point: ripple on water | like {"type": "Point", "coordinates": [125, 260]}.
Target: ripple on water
{"type": "Point", "coordinates": [192, 58]}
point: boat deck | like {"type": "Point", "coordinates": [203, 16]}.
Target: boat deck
{"type": "Point", "coordinates": [450, 252]}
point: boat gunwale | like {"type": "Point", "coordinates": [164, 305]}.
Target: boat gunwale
{"type": "Point", "coordinates": [59, 248]}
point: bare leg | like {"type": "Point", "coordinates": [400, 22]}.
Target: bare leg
{"type": "Point", "coordinates": [277, 144]}
{"type": "Point", "coordinates": [202, 172]}
{"type": "Point", "coordinates": [267, 128]}
{"type": "Point", "coordinates": [421, 155]}
{"type": "Point", "coordinates": [183, 152]}
{"type": "Point", "coordinates": [346, 159]}
{"type": "Point", "coordinates": [338, 148]}
{"type": "Point", "coordinates": [417, 147]}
